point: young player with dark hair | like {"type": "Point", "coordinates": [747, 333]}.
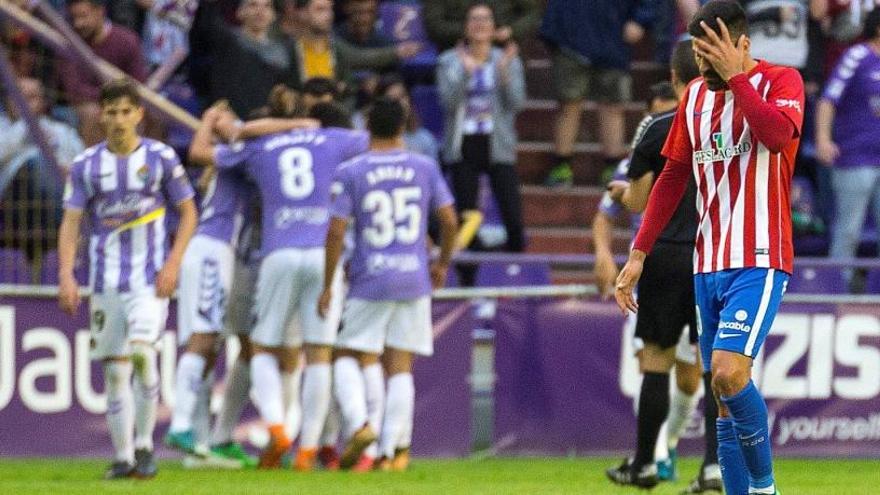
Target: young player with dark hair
{"type": "Point", "coordinates": [738, 129]}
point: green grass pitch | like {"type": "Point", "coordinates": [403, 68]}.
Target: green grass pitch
{"type": "Point", "coordinates": [582, 476]}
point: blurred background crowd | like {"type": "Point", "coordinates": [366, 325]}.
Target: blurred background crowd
{"type": "Point", "coordinates": [528, 105]}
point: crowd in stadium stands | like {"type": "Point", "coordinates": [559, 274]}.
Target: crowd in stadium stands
{"type": "Point", "coordinates": [469, 74]}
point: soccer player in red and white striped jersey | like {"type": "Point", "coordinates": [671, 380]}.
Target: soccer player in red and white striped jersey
{"type": "Point", "coordinates": [738, 129]}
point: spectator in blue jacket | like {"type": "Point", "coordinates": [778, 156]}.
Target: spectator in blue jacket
{"type": "Point", "coordinates": [591, 43]}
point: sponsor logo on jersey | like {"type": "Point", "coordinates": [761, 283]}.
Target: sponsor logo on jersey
{"type": "Point", "coordinates": [784, 103]}
{"type": "Point", "coordinates": [721, 152]}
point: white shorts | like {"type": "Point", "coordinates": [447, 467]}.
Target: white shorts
{"type": "Point", "coordinates": [685, 351]}
{"type": "Point", "coordinates": [205, 283]}
{"type": "Point", "coordinates": [116, 319]}
{"type": "Point", "coordinates": [371, 326]}
{"type": "Point", "coordinates": [240, 309]}
{"type": "Point", "coordinates": [288, 288]}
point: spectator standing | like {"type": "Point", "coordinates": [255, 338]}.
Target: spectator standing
{"type": "Point", "coordinates": [323, 54]}
{"type": "Point", "coordinates": [481, 89]}
{"type": "Point", "coordinates": [166, 28]}
{"type": "Point", "coordinates": [246, 63]}
{"type": "Point", "coordinates": [115, 44]}
{"type": "Point", "coordinates": [360, 27]}
{"type": "Point", "coordinates": [514, 20]}
{"type": "Point", "coordinates": [38, 188]}
{"type": "Point", "coordinates": [848, 137]}
{"type": "Point", "coordinates": [591, 42]}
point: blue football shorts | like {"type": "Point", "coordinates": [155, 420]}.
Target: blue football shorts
{"type": "Point", "coordinates": [736, 308]}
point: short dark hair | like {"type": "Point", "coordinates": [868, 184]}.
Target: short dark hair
{"type": "Point", "coordinates": [872, 24]}
{"type": "Point", "coordinates": [663, 90]}
{"type": "Point", "coordinates": [729, 11]}
{"type": "Point", "coordinates": [119, 88]}
{"type": "Point", "coordinates": [320, 86]}
{"type": "Point", "coordinates": [331, 115]}
{"type": "Point", "coordinates": [95, 3]}
{"type": "Point", "coordinates": [480, 3]}
{"type": "Point", "coordinates": [386, 118]}
{"type": "Point", "coordinates": [683, 63]}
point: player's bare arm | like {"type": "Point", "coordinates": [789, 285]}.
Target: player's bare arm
{"type": "Point", "coordinates": [332, 254]}
{"type": "Point", "coordinates": [633, 195]}
{"type": "Point", "coordinates": [269, 125]}
{"type": "Point", "coordinates": [201, 149]}
{"type": "Point", "coordinates": [605, 269]}
{"type": "Point", "coordinates": [166, 279]}
{"type": "Point", "coordinates": [626, 282]}
{"type": "Point", "coordinates": [448, 231]}
{"type": "Point", "coordinates": [68, 235]}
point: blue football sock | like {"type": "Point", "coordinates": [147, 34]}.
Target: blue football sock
{"type": "Point", "coordinates": [749, 413]}
{"type": "Point", "coordinates": [734, 473]}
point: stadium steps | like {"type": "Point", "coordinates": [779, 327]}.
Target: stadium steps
{"type": "Point", "coordinates": [539, 79]}
{"type": "Point", "coordinates": [574, 207]}
{"type": "Point", "coordinates": [571, 240]}
{"type": "Point", "coordinates": [537, 119]}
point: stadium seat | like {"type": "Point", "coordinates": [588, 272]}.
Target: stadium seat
{"type": "Point", "coordinates": [426, 101]}
{"type": "Point", "coordinates": [49, 268]}
{"type": "Point", "coordinates": [497, 274]}
{"type": "Point", "coordinates": [818, 280]}
{"type": "Point", "coordinates": [872, 284]}
{"type": "Point", "coordinates": [15, 268]}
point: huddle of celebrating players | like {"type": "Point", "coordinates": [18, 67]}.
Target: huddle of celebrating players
{"type": "Point", "coordinates": [310, 239]}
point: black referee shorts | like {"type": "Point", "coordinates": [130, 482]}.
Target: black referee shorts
{"type": "Point", "coordinates": [666, 295]}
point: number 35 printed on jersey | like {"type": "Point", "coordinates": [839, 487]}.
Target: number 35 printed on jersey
{"type": "Point", "coordinates": [396, 216]}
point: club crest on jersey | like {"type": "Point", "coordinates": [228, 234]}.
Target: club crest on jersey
{"type": "Point", "coordinates": [143, 173]}
{"type": "Point", "coordinates": [719, 151]}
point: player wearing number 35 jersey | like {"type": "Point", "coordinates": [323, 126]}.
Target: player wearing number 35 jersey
{"type": "Point", "coordinates": [387, 195]}
{"type": "Point", "coordinates": [293, 172]}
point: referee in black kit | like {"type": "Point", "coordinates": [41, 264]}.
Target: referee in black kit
{"type": "Point", "coordinates": [666, 296]}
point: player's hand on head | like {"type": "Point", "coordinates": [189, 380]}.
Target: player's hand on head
{"type": "Point", "coordinates": [726, 56]}
{"type": "Point", "coordinates": [438, 275]}
{"type": "Point", "coordinates": [605, 271]}
{"type": "Point", "coordinates": [166, 280]}
{"type": "Point", "coordinates": [624, 290]}
{"type": "Point", "coordinates": [324, 302]}
{"type": "Point", "coordinates": [68, 295]}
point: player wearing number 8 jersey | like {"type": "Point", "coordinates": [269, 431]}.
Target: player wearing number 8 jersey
{"type": "Point", "coordinates": [293, 172]}
{"type": "Point", "coordinates": [738, 129]}
{"type": "Point", "coordinates": [387, 195]}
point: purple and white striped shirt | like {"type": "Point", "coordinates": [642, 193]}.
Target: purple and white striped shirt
{"type": "Point", "coordinates": [478, 108]}
{"type": "Point", "coordinates": [125, 198]}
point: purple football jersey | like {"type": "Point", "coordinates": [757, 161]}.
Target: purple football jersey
{"type": "Point", "coordinates": [389, 197]}
{"type": "Point", "coordinates": [854, 89]}
{"type": "Point", "coordinates": [222, 205]}
{"type": "Point", "coordinates": [293, 172]}
{"type": "Point", "coordinates": [125, 198]}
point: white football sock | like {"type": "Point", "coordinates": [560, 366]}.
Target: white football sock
{"type": "Point", "coordinates": [330, 435]}
{"type": "Point", "coordinates": [235, 396]}
{"type": "Point", "coordinates": [266, 385]}
{"type": "Point", "coordinates": [398, 409]}
{"type": "Point", "coordinates": [201, 419]}
{"type": "Point", "coordinates": [120, 408]}
{"type": "Point", "coordinates": [146, 394]}
{"type": "Point", "coordinates": [374, 381]}
{"type": "Point", "coordinates": [661, 448]}
{"type": "Point", "coordinates": [293, 413]}
{"type": "Point", "coordinates": [317, 384]}
{"type": "Point", "coordinates": [680, 408]}
{"type": "Point", "coordinates": [187, 384]}
{"type": "Point", "coordinates": [349, 388]}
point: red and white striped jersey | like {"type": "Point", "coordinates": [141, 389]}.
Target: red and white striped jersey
{"type": "Point", "coordinates": [743, 188]}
